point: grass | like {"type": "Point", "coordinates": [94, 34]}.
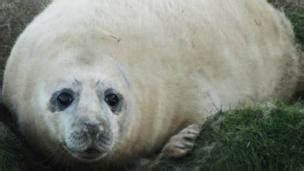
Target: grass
{"type": "Point", "coordinates": [268, 138]}
{"type": "Point", "coordinates": [297, 19]}
{"type": "Point", "coordinates": [296, 16]}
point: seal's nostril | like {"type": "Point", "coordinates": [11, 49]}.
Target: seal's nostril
{"type": "Point", "coordinates": [93, 129]}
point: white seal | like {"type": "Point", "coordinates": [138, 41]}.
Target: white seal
{"type": "Point", "coordinates": [110, 80]}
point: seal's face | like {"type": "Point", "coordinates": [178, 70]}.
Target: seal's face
{"type": "Point", "coordinates": [88, 118]}
{"type": "Point", "coordinates": [83, 108]}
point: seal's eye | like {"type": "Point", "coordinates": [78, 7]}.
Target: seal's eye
{"type": "Point", "coordinates": [113, 99]}
{"type": "Point", "coordinates": [65, 99]}
{"type": "Point", "coordinates": [61, 100]}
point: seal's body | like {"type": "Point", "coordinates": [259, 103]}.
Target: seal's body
{"type": "Point", "coordinates": [109, 80]}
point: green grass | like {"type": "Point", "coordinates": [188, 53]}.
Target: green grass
{"type": "Point", "coordinates": [296, 16]}
{"type": "Point", "coordinates": [249, 139]}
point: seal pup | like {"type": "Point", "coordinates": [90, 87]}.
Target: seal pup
{"type": "Point", "coordinates": [110, 81]}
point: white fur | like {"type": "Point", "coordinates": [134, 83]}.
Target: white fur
{"type": "Point", "coordinates": [176, 61]}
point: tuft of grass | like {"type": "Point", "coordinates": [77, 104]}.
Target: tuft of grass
{"type": "Point", "coordinates": [268, 138]}
{"type": "Point", "coordinates": [297, 19]}
{"type": "Point", "coordinates": [295, 12]}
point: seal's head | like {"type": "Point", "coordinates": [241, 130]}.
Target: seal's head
{"type": "Point", "coordinates": [70, 93]}
{"type": "Point", "coordinates": [76, 103]}
{"type": "Point", "coordinates": [84, 104]}
{"type": "Point", "coordinates": [87, 118]}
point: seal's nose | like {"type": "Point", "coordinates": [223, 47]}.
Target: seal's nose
{"type": "Point", "coordinates": [93, 129]}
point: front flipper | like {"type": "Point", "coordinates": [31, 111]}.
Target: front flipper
{"type": "Point", "coordinates": [182, 143]}
{"type": "Point", "coordinates": [178, 146]}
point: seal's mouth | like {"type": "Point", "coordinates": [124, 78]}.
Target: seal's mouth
{"type": "Point", "coordinates": [88, 148]}
{"type": "Point", "coordinates": [90, 154]}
